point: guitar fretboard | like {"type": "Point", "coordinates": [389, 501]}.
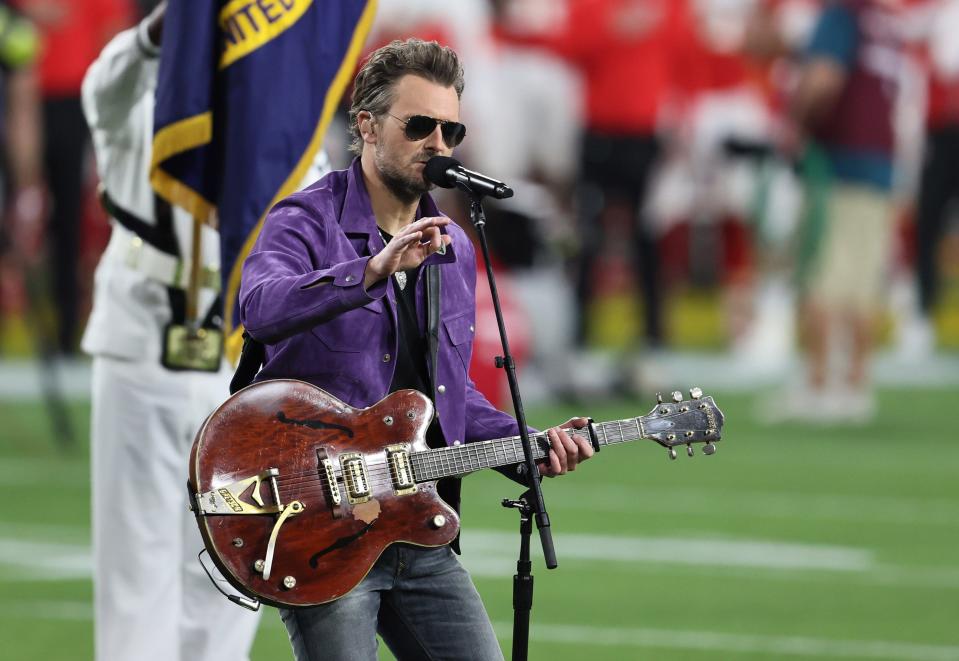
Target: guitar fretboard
{"type": "Point", "coordinates": [459, 460]}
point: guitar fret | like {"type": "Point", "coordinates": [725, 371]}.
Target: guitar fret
{"type": "Point", "coordinates": [450, 458]}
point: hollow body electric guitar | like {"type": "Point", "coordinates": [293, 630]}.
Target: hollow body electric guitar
{"type": "Point", "coordinates": [297, 493]}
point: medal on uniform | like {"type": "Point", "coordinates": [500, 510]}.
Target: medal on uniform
{"type": "Point", "coordinates": [192, 345]}
{"type": "Point", "coordinates": [189, 348]}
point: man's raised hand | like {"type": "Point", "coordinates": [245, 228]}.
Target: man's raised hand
{"type": "Point", "coordinates": [408, 249]}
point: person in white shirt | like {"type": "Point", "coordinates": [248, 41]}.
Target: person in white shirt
{"type": "Point", "coordinates": [152, 599]}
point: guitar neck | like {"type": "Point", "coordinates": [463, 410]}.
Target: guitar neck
{"type": "Point", "coordinates": [460, 460]}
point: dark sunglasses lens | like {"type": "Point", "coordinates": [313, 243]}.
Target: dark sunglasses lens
{"type": "Point", "coordinates": [453, 133]}
{"type": "Point", "coordinates": [419, 126]}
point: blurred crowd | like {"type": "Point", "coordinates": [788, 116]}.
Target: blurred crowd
{"type": "Point", "coordinates": [657, 148]}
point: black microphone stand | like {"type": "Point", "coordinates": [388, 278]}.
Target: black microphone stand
{"type": "Point", "coordinates": [531, 502]}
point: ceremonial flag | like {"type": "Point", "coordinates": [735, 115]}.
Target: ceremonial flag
{"type": "Point", "coordinates": [246, 91]}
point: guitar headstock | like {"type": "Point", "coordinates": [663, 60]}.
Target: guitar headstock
{"type": "Point", "coordinates": [684, 422]}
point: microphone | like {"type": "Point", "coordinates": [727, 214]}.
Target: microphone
{"type": "Point", "coordinates": [447, 172]}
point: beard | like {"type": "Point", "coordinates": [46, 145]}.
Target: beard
{"type": "Point", "coordinates": [405, 187]}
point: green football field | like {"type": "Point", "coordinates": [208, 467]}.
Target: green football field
{"type": "Point", "coordinates": [793, 542]}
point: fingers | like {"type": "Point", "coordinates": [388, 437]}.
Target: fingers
{"type": "Point", "coordinates": [432, 223]}
{"type": "Point", "coordinates": [566, 451]}
{"type": "Point", "coordinates": [584, 446]}
{"type": "Point", "coordinates": [560, 449]}
{"type": "Point", "coordinates": [432, 239]}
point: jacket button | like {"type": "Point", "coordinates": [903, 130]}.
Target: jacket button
{"type": "Point", "coordinates": [456, 442]}
{"type": "Point", "coordinates": [348, 278]}
{"type": "Point", "coordinates": [386, 357]}
{"type": "Point", "coordinates": [471, 328]}
{"type": "Point", "coordinates": [441, 389]}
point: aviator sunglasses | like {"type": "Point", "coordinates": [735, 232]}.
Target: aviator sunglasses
{"type": "Point", "coordinates": [421, 126]}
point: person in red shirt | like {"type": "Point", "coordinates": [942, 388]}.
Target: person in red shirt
{"type": "Point", "coordinates": [72, 33]}
{"type": "Point", "coordinates": [625, 51]}
{"type": "Point", "coordinates": [936, 22]}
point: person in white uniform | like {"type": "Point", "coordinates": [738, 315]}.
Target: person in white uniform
{"type": "Point", "coordinates": [152, 599]}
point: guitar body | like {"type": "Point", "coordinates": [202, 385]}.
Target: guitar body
{"type": "Point", "coordinates": [342, 479]}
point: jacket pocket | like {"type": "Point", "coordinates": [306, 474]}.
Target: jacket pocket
{"type": "Point", "coordinates": [459, 330]}
{"type": "Point", "coordinates": [349, 332]}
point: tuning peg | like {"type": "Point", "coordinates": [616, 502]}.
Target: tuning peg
{"type": "Point", "coordinates": [659, 398]}
{"type": "Point", "coordinates": [689, 450]}
{"type": "Point", "coordinates": [695, 393]}
{"type": "Point", "coordinates": [672, 453]}
{"type": "Point", "coordinates": [677, 396]}
{"type": "Point", "coordinates": [709, 448]}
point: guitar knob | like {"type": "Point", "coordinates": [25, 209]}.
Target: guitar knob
{"type": "Point", "coordinates": [259, 565]}
{"type": "Point", "coordinates": [289, 582]}
{"type": "Point", "coordinates": [672, 453]}
{"type": "Point", "coordinates": [709, 448]}
{"type": "Point", "coordinates": [695, 393]}
{"type": "Point", "coordinates": [677, 396]}
{"type": "Point", "coordinates": [438, 521]}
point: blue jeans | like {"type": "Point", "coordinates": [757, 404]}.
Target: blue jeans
{"type": "Point", "coordinates": [420, 600]}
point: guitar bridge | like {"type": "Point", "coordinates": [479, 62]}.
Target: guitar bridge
{"type": "Point", "coordinates": [226, 499]}
{"type": "Point", "coordinates": [326, 472]}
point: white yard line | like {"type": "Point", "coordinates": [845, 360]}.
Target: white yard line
{"type": "Point", "coordinates": [708, 641]}
{"type": "Point", "coordinates": [772, 504]}
{"type": "Point", "coordinates": [543, 634]}
{"type": "Point", "coordinates": [48, 552]}
{"type": "Point", "coordinates": [29, 561]}
{"type": "Point", "coordinates": [683, 551]}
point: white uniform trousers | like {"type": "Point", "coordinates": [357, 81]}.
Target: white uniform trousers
{"type": "Point", "coordinates": [152, 598]}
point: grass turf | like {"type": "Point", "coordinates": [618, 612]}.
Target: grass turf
{"type": "Point", "coordinates": [797, 542]}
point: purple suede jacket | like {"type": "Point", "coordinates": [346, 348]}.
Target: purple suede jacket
{"type": "Point", "coordinates": [302, 295]}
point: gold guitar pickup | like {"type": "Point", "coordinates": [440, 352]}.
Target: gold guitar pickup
{"type": "Point", "coordinates": [356, 477]}
{"type": "Point", "coordinates": [401, 470]}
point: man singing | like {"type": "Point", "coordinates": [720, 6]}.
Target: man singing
{"type": "Point", "coordinates": [339, 287]}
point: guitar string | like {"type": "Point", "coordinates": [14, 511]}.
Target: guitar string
{"type": "Point", "coordinates": [464, 463]}
{"type": "Point", "coordinates": [459, 460]}
{"type": "Point", "coordinates": [464, 460]}
{"type": "Point", "coordinates": [475, 459]}
{"type": "Point", "coordinates": [315, 484]}
{"type": "Point", "coordinates": [461, 455]}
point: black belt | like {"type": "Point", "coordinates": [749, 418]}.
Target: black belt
{"type": "Point", "coordinates": [160, 235]}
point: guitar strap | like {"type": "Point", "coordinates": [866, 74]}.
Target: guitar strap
{"type": "Point", "coordinates": [251, 359]}
{"type": "Point", "coordinates": [448, 489]}
{"type": "Point", "coordinates": [433, 318]}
